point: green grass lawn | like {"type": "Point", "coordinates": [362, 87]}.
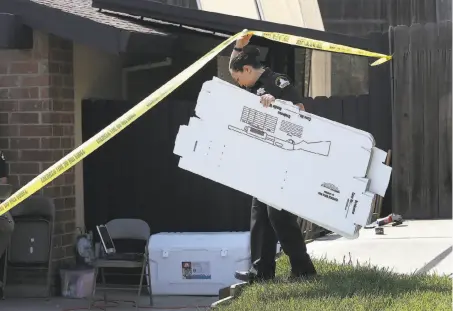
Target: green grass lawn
{"type": "Point", "coordinates": [346, 287]}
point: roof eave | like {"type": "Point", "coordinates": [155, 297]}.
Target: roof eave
{"type": "Point", "coordinates": [83, 30]}
{"type": "Point", "coordinates": [220, 22]}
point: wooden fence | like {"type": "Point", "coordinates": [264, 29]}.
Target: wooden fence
{"type": "Point", "coordinates": [422, 182]}
{"type": "Point", "coordinates": [357, 111]}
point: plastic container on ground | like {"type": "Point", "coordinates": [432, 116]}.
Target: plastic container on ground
{"type": "Point", "coordinates": [197, 263]}
{"type": "Point", "coordinates": [77, 282]}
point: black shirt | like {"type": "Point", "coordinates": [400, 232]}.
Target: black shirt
{"type": "Point", "coordinates": [3, 170]}
{"type": "Point", "coordinates": [277, 85]}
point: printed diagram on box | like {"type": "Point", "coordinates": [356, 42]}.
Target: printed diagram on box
{"type": "Point", "coordinates": [261, 125]}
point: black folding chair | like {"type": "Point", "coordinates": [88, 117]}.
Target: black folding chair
{"type": "Point", "coordinates": [31, 244]}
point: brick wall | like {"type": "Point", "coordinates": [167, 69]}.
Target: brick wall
{"type": "Point", "coordinates": [37, 124]}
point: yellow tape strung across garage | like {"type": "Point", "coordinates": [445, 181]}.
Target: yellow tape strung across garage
{"type": "Point", "coordinates": [320, 45]}
{"type": "Point", "coordinates": [149, 102]}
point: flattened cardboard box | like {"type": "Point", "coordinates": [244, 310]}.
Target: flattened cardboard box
{"type": "Point", "coordinates": [318, 169]}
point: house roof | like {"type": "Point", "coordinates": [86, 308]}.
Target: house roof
{"type": "Point", "coordinates": [77, 20]}
{"type": "Point", "coordinates": [221, 22]}
{"type": "Point", "coordinates": [143, 25]}
{"type": "Point", "coordinates": [83, 8]}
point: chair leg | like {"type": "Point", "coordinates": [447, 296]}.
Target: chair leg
{"type": "Point", "coordinates": [49, 280]}
{"type": "Point", "coordinates": [141, 284]}
{"type": "Point", "coordinates": [104, 285]}
{"type": "Point", "coordinates": [5, 271]}
{"type": "Point", "coordinates": [93, 292]}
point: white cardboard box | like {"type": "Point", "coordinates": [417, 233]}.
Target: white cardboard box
{"type": "Point", "coordinates": [197, 263]}
{"type": "Point", "coordinates": [323, 171]}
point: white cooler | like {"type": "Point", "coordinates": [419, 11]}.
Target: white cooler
{"type": "Point", "coordinates": [189, 263]}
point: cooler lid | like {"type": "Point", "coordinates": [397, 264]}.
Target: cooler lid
{"type": "Point", "coordinates": [209, 240]}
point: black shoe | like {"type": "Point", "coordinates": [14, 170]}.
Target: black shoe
{"type": "Point", "coordinates": [250, 277]}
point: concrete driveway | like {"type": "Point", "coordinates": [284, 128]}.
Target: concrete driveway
{"type": "Point", "coordinates": [418, 246]}
{"type": "Point", "coordinates": [161, 303]}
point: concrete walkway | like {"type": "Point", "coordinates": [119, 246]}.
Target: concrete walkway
{"type": "Point", "coordinates": [419, 246]}
{"type": "Point", "coordinates": [161, 303]}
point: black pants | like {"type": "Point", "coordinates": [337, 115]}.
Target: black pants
{"type": "Point", "coordinates": [6, 230]}
{"type": "Point", "coordinates": [268, 226]}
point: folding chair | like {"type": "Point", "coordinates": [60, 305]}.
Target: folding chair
{"type": "Point", "coordinates": [125, 229]}
{"type": "Point", "coordinates": [32, 244]}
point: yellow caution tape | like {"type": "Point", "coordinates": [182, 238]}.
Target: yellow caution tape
{"type": "Point", "coordinates": [321, 45]}
{"type": "Point", "coordinates": [149, 102]}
